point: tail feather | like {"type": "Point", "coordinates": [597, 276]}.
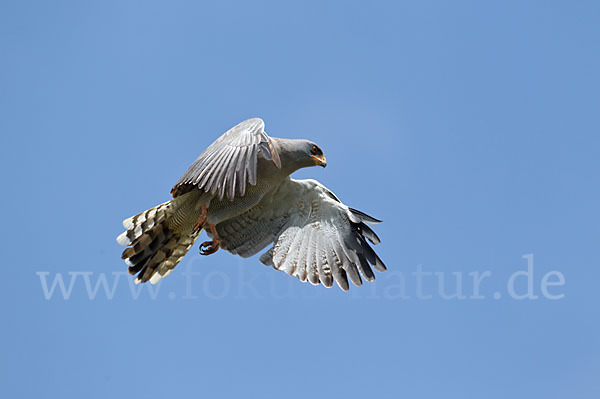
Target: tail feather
{"type": "Point", "coordinates": [154, 249]}
{"type": "Point", "coordinates": [142, 223]}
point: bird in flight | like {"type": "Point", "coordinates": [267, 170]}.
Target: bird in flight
{"type": "Point", "coordinates": [240, 192]}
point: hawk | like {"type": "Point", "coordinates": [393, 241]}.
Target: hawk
{"type": "Point", "coordinates": [240, 192]}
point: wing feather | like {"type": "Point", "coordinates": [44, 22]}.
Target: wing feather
{"type": "Point", "coordinates": [320, 243]}
{"type": "Point", "coordinates": [251, 166]}
{"type": "Point", "coordinates": [217, 182]}
{"type": "Point", "coordinates": [323, 266]}
{"type": "Point", "coordinates": [230, 162]}
{"type": "Point", "coordinates": [211, 169]}
{"type": "Point", "coordinates": [221, 183]}
{"type": "Point", "coordinates": [343, 264]}
{"type": "Point", "coordinates": [364, 268]}
{"type": "Point", "coordinates": [335, 264]}
{"type": "Point", "coordinates": [291, 260]}
{"type": "Point", "coordinates": [281, 252]}
{"type": "Point", "coordinates": [301, 268]}
{"type": "Point", "coordinates": [311, 259]}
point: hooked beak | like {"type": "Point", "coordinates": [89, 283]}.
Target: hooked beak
{"type": "Point", "coordinates": [321, 161]}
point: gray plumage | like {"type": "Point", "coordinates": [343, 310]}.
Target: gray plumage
{"type": "Point", "coordinates": [315, 237]}
{"type": "Point", "coordinates": [231, 161]}
{"type": "Point", "coordinates": [240, 190]}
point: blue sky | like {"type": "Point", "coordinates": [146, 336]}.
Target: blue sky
{"type": "Point", "coordinates": [470, 128]}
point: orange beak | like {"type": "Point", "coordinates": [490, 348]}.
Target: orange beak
{"type": "Point", "coordinates": [321, 161]}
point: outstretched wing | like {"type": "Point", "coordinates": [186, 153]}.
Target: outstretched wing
{"type": "Point", "coordinates": [316, 237]}
{"type": "Point", "coordinates": [228, 163]}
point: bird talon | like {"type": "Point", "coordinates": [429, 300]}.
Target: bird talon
{"type": "Point", "coordinates": [209, 247]}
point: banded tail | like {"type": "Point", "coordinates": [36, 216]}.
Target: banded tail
{"type": "Point", "coordinates": [154, 249]}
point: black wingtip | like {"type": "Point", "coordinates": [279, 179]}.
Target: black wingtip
{"type": "Point", "coordinates": [364, 217]}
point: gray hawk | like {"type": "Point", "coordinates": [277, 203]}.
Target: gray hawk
{"type": "Point", "coordinates": [240, 192]}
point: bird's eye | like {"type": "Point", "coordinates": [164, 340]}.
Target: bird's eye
{"type": "Point", "coordinates": [315, 150]}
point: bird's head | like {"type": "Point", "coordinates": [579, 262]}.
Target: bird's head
{"type": "Point", "coordinates": [315, 154]}
{"type": "Point", "coordinates": [299, 153]}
